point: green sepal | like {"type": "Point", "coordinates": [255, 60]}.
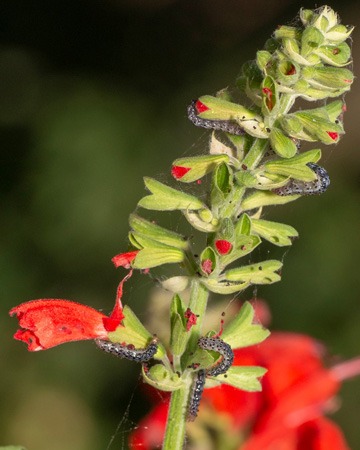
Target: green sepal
{"type": "Point", "coordinates": [338, 56]}
{"type": "Point", "coordinates": [270, 105]}
{"type": "Point", "coordinates": [198, 223]}
{"type": "Point", "coordinates": [295, 167]}
{"type": "Point", "coordinates": [287, 72]}
{"type": "Point", "coordinates": [199, 166]}
{"type": "Point", "coordinates": [179, 336]}
{"type": "Point", "coordinates": [156, 255]}
{"type": "Point", "coordinates": [245, 378]}
{"type": "Point", "coordinates": [263, 57]}
{"type": "Point", "coordinates": [219, 109]}
{"type": "Point", "coordinates": [208, 254]}
{"type": "Point", "coordinates": [159, 377]}
{"type": "Point", "coordinates": [265, 198]}
{"type": "Point", "coordinates": [224, 287]}
{"type": "Point", "coordinates": [338, 33]}
{"type": "Point", "coordinates": [202, 358]}
{"type": "Point", "coordinates": [259, 179]}
{"type": "Point", "coordinates": [328, 78]}
{"type": "Point", "coordinates": [243, 226]}
{"type": "Point", "coordinates": [221, 185]}
{"type": "Point", "coordinates": [165, 198]}
{"type": "Point", "coordinates": [157, 233]}
{"type": "Point", "coordinates": [242, 331]}
{"type": "Point", "coordinates": [242, 246]}
{"type": "Point", "coordinates": [281, 144]}
{"type": "Point", "coordinates": [175, 284]}
{"type": "Point", "coordinates": [292, 50]}
{"type": "Point", "coordinates": [278, 234]}
{"type": "Point", "coordinates": [265, 272]}
{"type": "Point", "coordinates": [286, 31]}
{"type": "Point", "coordinates": [132, 331]}
{"type": "Point", "coordinates": [311, 40]}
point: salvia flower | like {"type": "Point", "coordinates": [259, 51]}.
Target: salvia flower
{"type": "Point", "coordinates": [45, 323]}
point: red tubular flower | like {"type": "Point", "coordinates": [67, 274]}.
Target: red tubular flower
{"type": "Point", "coordinates": [46, 323]}
{"type": "Point", "coordinates": [124, 259]}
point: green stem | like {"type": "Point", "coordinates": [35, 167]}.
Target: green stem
{"type": "Point", "coordinates": [175, 427]}
{"type": "Point", "coordinates": [256, 153]}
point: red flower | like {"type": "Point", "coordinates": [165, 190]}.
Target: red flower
{"type": "Point", "coordinates": [124, 259]}
{"type": "Point", "coordinates": [223, 247]}
{"type": "Point", "coordinates": [179, 171]}
{"type": "Point", "coordinates": [46, 323]}
{"type": "Point", "coordinates": [286, 415]}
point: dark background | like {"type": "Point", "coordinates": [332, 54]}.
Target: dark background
{"type": "Point", "coordinates": [93, 96]}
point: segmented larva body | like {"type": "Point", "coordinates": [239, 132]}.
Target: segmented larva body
{"type": "Point", "coordinates": [318, 186]}
{"type": "Point", "coordinates": [196, 393]}
{"type": "Point", "coordinates": [229, 126]}
{"type": "Point", "coordinates": [127, 351]}
{"type": "Point", "coordinates": [219, 346]}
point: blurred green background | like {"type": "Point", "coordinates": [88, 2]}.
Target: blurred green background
{"type": "Point", "coordinates": [93, 96]}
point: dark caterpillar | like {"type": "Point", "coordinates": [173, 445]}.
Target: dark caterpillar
{"type": "Point", "coordinates": [196, 393]}
{"type": "Point", "coordinates": [229, 126]}
{"type": "Point", "coordinates": [307, 187]}
{"type": "Point", "coordinates": [127, 351]}
{"type": "Point", "coordinates": [219, 346]}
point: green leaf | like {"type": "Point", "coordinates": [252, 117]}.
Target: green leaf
{"type": "Point", "coordinates": [245, 378]}
{"type": "Point", "coordinates": [242, 331]}
{"type": "Point", "coordinates": [133, 332]}
{"type": "Point", "coordinates": [277, 233]}
{"type": "Point", "coordinates": [264, 272]}
{"type": "Point", "coordinates": [179, 336]}
{"type": "Point", "coordinates": [157, 233]}
{"type": "Point", "coordinates": [311, 40]}
{"type": "Point", "coordinates": [224, 287]}
{"type": "Point", "coordinates": [162, 379]}
{"type": "Point", "coordinates": [264, 198]}
{"type": "Point", "coordinates": [199, 165]}
{"type": "Point", "coordinates": [165, 198]}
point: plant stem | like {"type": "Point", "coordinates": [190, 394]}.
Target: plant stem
{"type": "Point", "coordinates": [175, 427]}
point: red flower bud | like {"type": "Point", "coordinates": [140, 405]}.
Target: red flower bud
{"type": "Point", "coordinates": [200, 107]}
{"type": "Point", "coordinates": [178, 171]}
{"type": "Point", "coordinates": [223, 246]}
{"type": "Point", "coordinates": [124, 259]}
{"type": "Point", "coordinates": [334, 136]}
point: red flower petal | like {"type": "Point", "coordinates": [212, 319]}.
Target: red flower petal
{"type": "Point", "coordinates": [178, 171]}
{"type": "Point", "coordinates": [334, 136]}
{"type": "Point", "coordinates": [46, 323]}
{"type": "Point", "coordinates": [200, 107]}
{"type": "Point", "coordinates": [223, 246]}
{"type": "Point", "coordinates": [149, 434]}
{"type": "Point", "coordinates": [191, 319]}
{"type": "Point", "coordinates": [124, 259]}
{"type": "Point", "coordinates": [206, 266]}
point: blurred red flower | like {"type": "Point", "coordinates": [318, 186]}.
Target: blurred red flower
{"type": "Point", "coordinates": [287, 415]}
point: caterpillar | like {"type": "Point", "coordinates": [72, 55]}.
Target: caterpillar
{"type": "Point", "coordinates": [219, 346]}
{"type": "Point", "coordinates": [229, 126]}
{"type": "Point", "coordinates": [127, 351]}
{"type": "Point", "coordinates": [196, 393]}
{"type": "Point", "coordinates": [318, 186]}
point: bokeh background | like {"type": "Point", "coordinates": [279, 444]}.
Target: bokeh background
{"type": "Point", "coordinates": [93, 96]}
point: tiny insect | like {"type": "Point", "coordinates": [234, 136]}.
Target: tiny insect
{"type": "Point", "coordinates": [127, 351]}
{"type": "Point", "coordinates": [296, 187]}
{"type": "Point", "coordinates": [196, 393]}
{"type": "Point", "coordinates": [219, 346]}
{"type": "Point", "coordinates": [229, 126]}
